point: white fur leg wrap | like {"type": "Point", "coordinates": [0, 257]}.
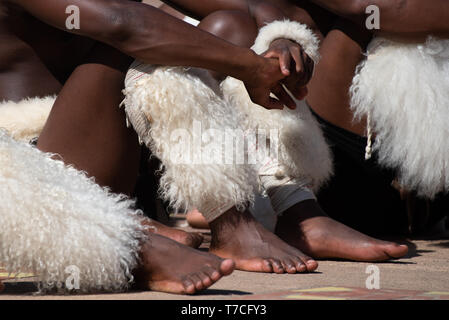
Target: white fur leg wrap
{"type": "Point", "coordinates": [184, 122]}
{"type": "Point", "coordinates": [291, 30]}
{"type": "Point", "coordinates": [404, 90]}
{"type": "Point", "coordinates": [301, 150]}
{"type": "Point", "coordinates": [25, 119]}
{"type": "Point", "coordinates": [55, 220]}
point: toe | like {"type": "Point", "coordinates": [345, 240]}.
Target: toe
{"type": "Point", "coordinates": [394, 250]}
{"type": "Point", "coordinates": [227, 266]}
{"type": "Point", "coordinates": [267, 266]}
{"type": "Point", "coordinates": [399, 251]}
{"type": "Point", "coordinates": [195, 278]}
{"type": "Point", "coordinates": [189, 286]}
{"type": "Point", "coordinates": [288, 265]}
{"type": "Point", "coordinates": [277, 266]}
{"type": "Point", "coordinates": [299, 265]}
{"type": "Point", "coordinates": [213, 274]}
{"type": "Point", "coordinates": [311, 264]}
{"type": "Point", "coordinates": [205, 279]}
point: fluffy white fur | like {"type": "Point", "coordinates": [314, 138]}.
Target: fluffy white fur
{"type": "Point", "coordinates": [25, 119]}
{"type": "Point", "coordinates": [164, 100]}
{"type": "Point", "coordinates": [404, 88]}
{"type": "Point", "coordinates": [303, 152]}
{"type": "Point", "coordinates": [161, 100]}
{"type": "Point", "coordinates": [291, 30]}
{"type": "Point", "coordinates": [53, 216]}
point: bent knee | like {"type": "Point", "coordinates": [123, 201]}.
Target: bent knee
{"type": "Point", "coordinates": [234, 26]}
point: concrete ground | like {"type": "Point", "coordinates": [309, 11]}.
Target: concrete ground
{"type": "Point", "coordinates": [423, 274]}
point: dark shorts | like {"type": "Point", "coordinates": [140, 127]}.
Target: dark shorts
{"type": "Point", "coordinates": [361, 195]}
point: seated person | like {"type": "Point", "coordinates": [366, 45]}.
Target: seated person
{"type": "Point", "coordinates": [86, 67]}
{"type": "Point", "coordinates": [149, 90]}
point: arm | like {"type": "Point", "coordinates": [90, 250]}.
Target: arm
{"type": "Point", "coordinates": [148, 34]}
{"type": "Point", "coordinates": [397, 17]}
{"type": "Point", "coordinates": [263, 12]}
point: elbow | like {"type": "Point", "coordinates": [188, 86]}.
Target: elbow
{"type": "Point", "coordinates": [357, 8]}
{"type": "Point", "coordinates": [116, 24]}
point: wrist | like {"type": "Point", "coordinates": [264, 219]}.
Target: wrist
{"type": "Point", "coordinates": [288, 30]}
{"type": "Point", "coordinates": [246, 64]}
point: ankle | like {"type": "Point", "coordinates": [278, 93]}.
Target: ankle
{"type": "Point", "coordinates": [224, 228]}
{"type": "Point", "coordinates": [302, 211]}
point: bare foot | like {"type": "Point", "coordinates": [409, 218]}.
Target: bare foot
{"type": "Point", "coordinates": [197, 220]}
{"type": "Point", "coordinates": [306, 227]}
{"type": "Point", "coordinates": [171, 267]}
{"type": "Point", "coordinates": [190, 239]}
{"type": "Point", "coordinates": [238, 236]}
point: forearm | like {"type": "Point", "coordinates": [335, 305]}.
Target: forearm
{"type": "Point", "coordinates": [147, 34]}
{"type": "Point", "coordinates": [397, 17]}
{"type": "Point", "coordinates": [155, 37]}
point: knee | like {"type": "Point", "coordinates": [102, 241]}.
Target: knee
{"type": "Point", "coordinates": [236, 27]}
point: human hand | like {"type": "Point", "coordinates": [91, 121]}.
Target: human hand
{"type": "Point", "coordinates": [294, 63]}
{"type": "Point", "coordinates": [264, 79]}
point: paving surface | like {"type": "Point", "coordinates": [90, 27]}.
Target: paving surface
{"type": "Point", "coordinates": [423, 274]}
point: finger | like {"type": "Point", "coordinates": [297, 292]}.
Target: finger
{"type": "Point", "coordinates": [283, 96]}
{"type": "Point", "coordinates": [300, 63]}
{"type": "Point", "coordinates": [296, 55]}
{"type": "Point", "coordinates": [297, 91]}
{"type": "Point", "coordinates": [268, 102]}
{"type": "Point", "coordinates": [285, 62]}
{"type": "Point", "coordinates": [309, 65]}
{"type": "Point", "coordinates": [303, 91]}
{"type": "Point", "coordinates": [270, 54]}
{"type": "Point", "coordinates": [274, 104]}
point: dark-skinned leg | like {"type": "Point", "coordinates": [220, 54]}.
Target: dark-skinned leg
{"type": "Point", "coordinates": [223, 24]}
{"type": "Point", "coordinates": [302, 225]}
{"type": "Point", "coordinates": [87, 129]}
{"type": "Point", "coordinates": [307, 227]}
{"type": "Point", "coordinates": [237, 235]}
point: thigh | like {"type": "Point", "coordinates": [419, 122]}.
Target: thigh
{"type": "Point", "coordinates": [234, 26]}
{"type": "Point", "coordinates": [22, 73]}
{"type": "Point", "coordinates": [86, 126]}
{"type": "Point", "coordinates": [328, 90]}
